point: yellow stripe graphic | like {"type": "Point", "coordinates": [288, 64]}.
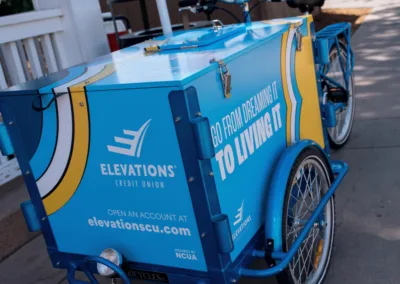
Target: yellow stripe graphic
{"type": "Point", "coordinates": [310, 122]}
{"type": "Point", "coordinates": [285, 87]}
{"type": "Point", "coordinates": [76, 167]}
{"type": "Point", "coordinates": [108, 70]}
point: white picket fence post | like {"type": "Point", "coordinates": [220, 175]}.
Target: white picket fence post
{"type": "Point", "coordinates": [24, 45]}
{"type": "Point", "coordinates": [83, 28]}
{"type": "Point", "coordinates": [59, 34]}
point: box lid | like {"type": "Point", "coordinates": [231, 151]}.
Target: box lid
{"type": "Point", "coordinates": [201, 37]}
{"type": "Point", "coordinates": [176, 62]}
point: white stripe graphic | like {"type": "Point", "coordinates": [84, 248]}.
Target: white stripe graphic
{"type": "Point", "coordinates": [92, 70]}
{"type": "Point", "coordinates": [64, 140]}
{"type": "Point", "coordinates": [289, 48]}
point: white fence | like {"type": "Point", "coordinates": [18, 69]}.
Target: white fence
{"type": "Point", "coordinates": [30, 46]}
{"type": "Point", "coordinates": [60, 34]}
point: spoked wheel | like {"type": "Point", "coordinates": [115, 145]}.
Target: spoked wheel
{"type": "Point", "coordinates": [309, 180]}
{"type": "Point", "coordinates": [339, 135]}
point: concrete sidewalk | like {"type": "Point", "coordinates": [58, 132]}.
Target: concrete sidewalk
{"type": "Point", "coordinates": [360, 3]}
{"type": "Point", "coordinates": [368, 224]}
{"type": "Point", "coordinates": [368, 234]}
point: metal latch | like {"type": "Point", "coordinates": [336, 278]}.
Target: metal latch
{"type": "Point", "coordinates": [226, 77]}
{"type": "Point", "coordinates": [217, 25]}
{"type": "Point", "coordinates": [299, 38]}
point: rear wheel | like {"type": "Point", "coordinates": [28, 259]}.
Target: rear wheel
{"type": "Point", "coordinates": [340, 134]}
{"type": "Point", "coordinates": [309, 180]}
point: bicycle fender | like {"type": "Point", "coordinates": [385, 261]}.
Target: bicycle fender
{"type": "Point", "coordinates": [276, 192]}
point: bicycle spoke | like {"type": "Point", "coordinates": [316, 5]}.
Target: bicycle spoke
{"type": "Point", "coordinates": [300, 252]}
{"type": "Point", "coordinates": [307, 190]}
{"type": "Point", "coordinates": [344, 117]}
{"type": "Point", "coordinates": [308, 255]}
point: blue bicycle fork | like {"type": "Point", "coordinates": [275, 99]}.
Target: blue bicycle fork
{"type": "Point", "coordinates": [339, 169]}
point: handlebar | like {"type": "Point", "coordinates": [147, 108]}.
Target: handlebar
{"type": "Point", "coordinates": [187, 3]}
{"type": "Point", "coordinates": [209, 6]}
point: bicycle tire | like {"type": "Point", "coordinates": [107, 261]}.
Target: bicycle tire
{"type": "Point", "coordinates": [340, 143]}
{"type": "Point", "coordinates": [310, 153]}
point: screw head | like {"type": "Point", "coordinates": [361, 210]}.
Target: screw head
{"type": "Point", "coordinates": [203, 235]}
{"type": "Point", "coordinates": [11, 122]}
{"type": "Point", "coordinates": [27, 172]}
{"type": "Point", "coordinates": [211, 173]}
{"type": "Point", "coordinates": [81, 104]}
{"type": "Point", "coordinates": [44, 219]}
{"type": "Point", "coordinates": [191, 179]}
{"type": "Point", "coordinates": [198, 114]}
{"type": "Point", "coordinates": [58, 263]}
{"type": "Point", "coordinates": [233, 281]}
{"type": "Point", "coordinates": [177, 119]}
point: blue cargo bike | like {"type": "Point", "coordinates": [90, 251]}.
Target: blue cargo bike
{"type": "Point", "coordinates": [184, 158]}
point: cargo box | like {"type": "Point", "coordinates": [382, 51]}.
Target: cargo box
{"type": "Point", "coordinates": [164, 151]}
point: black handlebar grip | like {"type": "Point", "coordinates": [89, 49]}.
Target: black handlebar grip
{"type": "Point", "coordinates": [186, 3]}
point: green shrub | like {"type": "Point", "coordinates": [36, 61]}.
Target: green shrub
{"type": "Point", "coordinates": [10, 7]}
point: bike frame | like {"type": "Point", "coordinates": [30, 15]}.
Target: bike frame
{"type": "Point", "coordinates": [324, 41]}
{"type": "Point", "coordinates": [332, 34]}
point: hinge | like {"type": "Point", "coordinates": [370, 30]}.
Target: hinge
{"type": "Point", "coordinates": [226, 77]}
{"type": "Point", "coordinates": [269, 249]}
{"type": "Point", "coordinates": [32, 222]}
{"type": "Point", "coordinates": [202, 138]}
{"type": "Point", "coordinates": [299, 38]}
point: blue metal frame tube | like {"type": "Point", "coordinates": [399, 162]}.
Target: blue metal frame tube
{"type": "Point", "coordinates": [246, 13]}
{"type": "Point", "coordinates": [332, 81]}
{"type": "Point", "coordinates": [84, 267]}
{"type": "Point", "coordinates": [307, 228]}
{"type": "Point", "coordinates": [275, 255]}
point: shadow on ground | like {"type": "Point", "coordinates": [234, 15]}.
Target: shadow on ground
{"type": "Point", "coordinates": [368, 226]}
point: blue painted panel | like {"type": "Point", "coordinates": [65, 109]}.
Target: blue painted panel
{"type": "Point", "coordinates": [131, 99]}
{"type": "Point", "coordinates": [31, 86]}
{"type": "Point", "coordinates": [11, 116]}
{"type": "Point", "coordinates": [31, 219]}
{"type": "Point", "coordinates": [28, 121]}
{"type": "Point", "coordinates": [201, 37]}
{"type": "Point", "coordinates": [171, 67]}
{"type": "Point", "coordinates": [45, 150]}
{"type": "Point", "coordinates": [73, 72]}
{"type": "Point", "coordinates": [145, 188]}
{"type": "Point", "coordinates": [242, 166]}
{"type": "Point", "coordinates": [202, 188]}
{"type": "Point", "coordinates": [5, 141]}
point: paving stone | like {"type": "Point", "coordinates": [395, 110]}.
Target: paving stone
{"type": "Point", "coordinates": [13, 234]}
{"type": "Point", "coordinates": [30, 265]}
{"type": "Point", "coordinates": [12, 195]}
